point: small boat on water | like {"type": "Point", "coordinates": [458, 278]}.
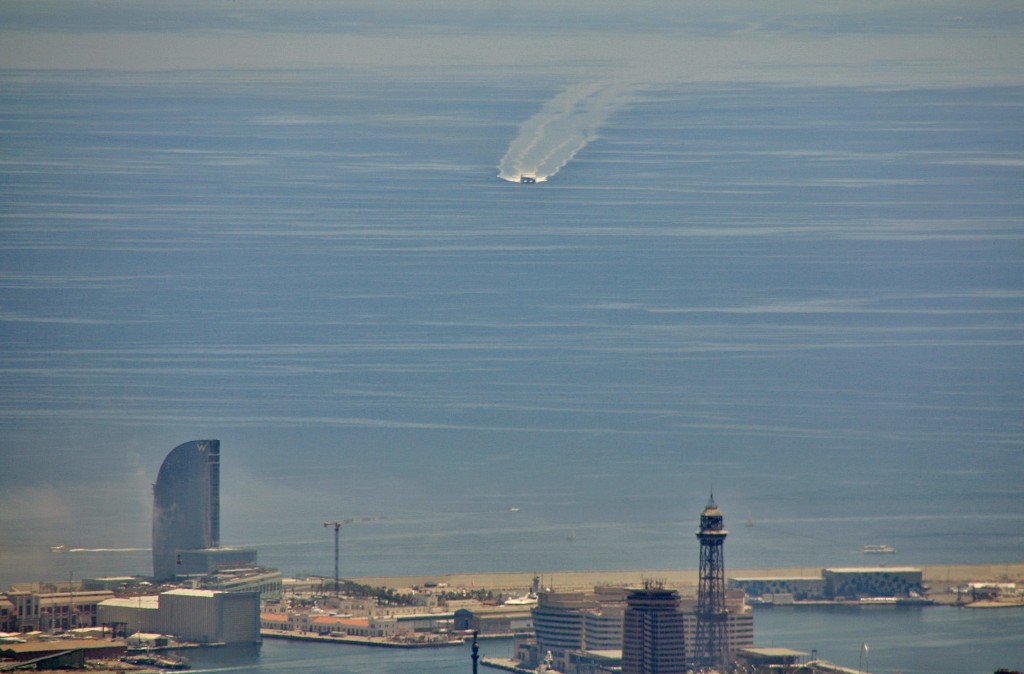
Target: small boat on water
{"type": "Point", "coordinates": [878, 550]}
{"type": "Point", "coordinates": [58, 548]}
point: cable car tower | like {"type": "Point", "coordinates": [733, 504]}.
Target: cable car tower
{"type": "Point", "coordinates": [712, 642]}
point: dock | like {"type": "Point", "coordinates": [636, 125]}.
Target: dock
{"type": "Point", "coordinates": [505, 664]}
{"type": "Point", "coordinates": [373, 642]}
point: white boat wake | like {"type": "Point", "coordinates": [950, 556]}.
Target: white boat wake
{"type": "Point", "coordinates": [564, 126]}
{"type": "Point", "coordinates": [109, 550]}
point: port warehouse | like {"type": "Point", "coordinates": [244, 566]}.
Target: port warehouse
{"type": "Point", "coordinates": [837, 583]}
{"type": "Point", "coordinates": [494, 619]}
{"type": "Point", "coordinates": [62, 653]}
{"type": "Point", "coordinates": [200, 616]}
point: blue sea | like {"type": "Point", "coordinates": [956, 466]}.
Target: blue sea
{"type": "Point", "coordinates": [778, 257]}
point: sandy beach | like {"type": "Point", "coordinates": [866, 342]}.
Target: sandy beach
{"type": "Point", "coordinates": [939, 577]}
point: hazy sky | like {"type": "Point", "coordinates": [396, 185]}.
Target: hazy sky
{"type": "Point", "coordinates": [886, 43]}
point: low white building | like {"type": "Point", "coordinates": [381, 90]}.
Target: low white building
{"type": "Point", "coordinates": [335, 625]}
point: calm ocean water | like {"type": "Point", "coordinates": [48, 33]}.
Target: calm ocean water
{"type": "Point", "coordinates": [808, 299]}
{"type": "Point", "coordinates": [807, 296]}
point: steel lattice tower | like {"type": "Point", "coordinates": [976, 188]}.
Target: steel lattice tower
{"type": "Point", "coordinates": [711, 644]}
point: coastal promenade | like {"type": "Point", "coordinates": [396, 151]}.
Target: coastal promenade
{"type": "Point", "coordinates": [938, 576]}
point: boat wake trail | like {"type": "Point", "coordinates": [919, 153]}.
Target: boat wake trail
{"type": "Point", "coordinates": [109, 550]}
{"type": "Point", "coordinates": [564, 126]}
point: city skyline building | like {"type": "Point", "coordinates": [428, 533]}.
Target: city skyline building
{"type": "Point", "coordinates": [567, 623]}
{"type": "Point", "coordinates": [186, 504]}
{"type": "Point", "coordinates": [653, 639]}
{"type": "Point", "coordinates": [711, 646]}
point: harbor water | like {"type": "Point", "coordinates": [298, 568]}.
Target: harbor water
{"type": "Point", "coordinates": [933, 640]}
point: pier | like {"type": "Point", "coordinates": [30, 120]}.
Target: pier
{"type": "Point", "coordinates": [374, 642]}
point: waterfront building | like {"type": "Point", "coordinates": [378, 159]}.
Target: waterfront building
{"type": "Point", "coordinates": [266, 581]}
{"type": "Point", "coordinates": [561, 621]}
{"type": "Point", "coordinates": [209, 616]}
{"type": "Point", "coordinates": [493, 620]}
{"type": "Point", "coordinates": [653, 633]}
{"type": "Point", "coordinates": [186, 514]}
{"type": "Point", "coordinates": [53, 606]}
{"type": "Point", "coordinates": [652, 629]}
{"type": "Point", "coordinates": [835, 584]}
{"type": "Point", "coordinates": [130, 615]}
{"type": "Point", "coordinates": [8, 614]}
{"type": "Point", "coordinates": [186, 504]}
{"type": "Point", "coordinates": [558, 619]}
{"type": "Point", "coordinates": [858, 582]}
{"type": "Point", "coordinates": [114, 583]}
{"type": "Point", "coordinates": [772, 658]}
{"type": "Point", "coordinates": [602, 628]}
{"type": "Point", "coordinates": [768, 587]}
{"type": "Point", "coordinates": [59, 654]}
{"type": "Point", "coordinates": [335, 625]}
{"type": "Point", "coordinates": [201, 616]}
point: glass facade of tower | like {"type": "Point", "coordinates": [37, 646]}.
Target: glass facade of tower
{"type": "Point", "coordinates": [186, 504]}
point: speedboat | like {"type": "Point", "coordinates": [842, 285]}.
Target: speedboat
{"type": "Point", "coordinates": [879, 549]}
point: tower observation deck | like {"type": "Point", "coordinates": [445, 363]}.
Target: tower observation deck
{"type": "Point", "coordinates": [711, 644]}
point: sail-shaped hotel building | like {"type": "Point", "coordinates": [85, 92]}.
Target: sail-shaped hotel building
{"type": "Point", "coordinates": [186, 514]}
